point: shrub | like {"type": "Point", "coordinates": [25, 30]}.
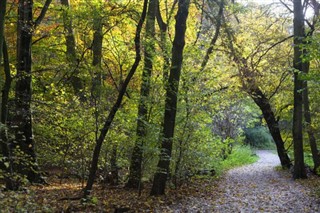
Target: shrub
{"type": "Point", "coordinates": [259, 137]}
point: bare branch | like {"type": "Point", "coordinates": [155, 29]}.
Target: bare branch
{"type": "Point", "coordinates": [43, 13]}
{"type": "Point", "coordinates": [271, 47]}
{"type": "Point", "coordinates": [284, 4]}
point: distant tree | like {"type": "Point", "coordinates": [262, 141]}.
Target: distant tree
{"type": "Point", "coordinates": [71, 52]}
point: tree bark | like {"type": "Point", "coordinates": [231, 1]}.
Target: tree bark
{"type": "Point", "coordinates": [263, 102]}
{"type": "Point", "coordinates": [308, 120]}
{"type": "Point", "coordinates": [7, 84]}
{"type": "Point", "coordinates": [22, 119]}
{"type": "Point", "coordinates": [115, 107]}
{"type": "Point", "coordinates": [160, 178]}
{"type": "Point", "coordinates": [310, 130]}
{"type": "Point", "coordinates": [298, 25]}
{"type": "Point", "coordinates": [6, 164]}
{"type": "Point", "coordinates": [137, 154]}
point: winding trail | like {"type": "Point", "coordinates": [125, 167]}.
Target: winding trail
{"type": "Point", "coordinates": [259, 187]}
{"type": "Point", "coordinates": [255, 188]}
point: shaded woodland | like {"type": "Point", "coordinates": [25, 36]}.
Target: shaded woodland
{"type": "Point", "coordinates": [147, 95]}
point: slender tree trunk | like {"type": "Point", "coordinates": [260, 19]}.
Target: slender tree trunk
{"type": "Point", "coordinates": [115, 107]}
{"type": "Point", "coordinates": [263, 102]}
{"type": "Point", "coordinates": [163, 42]}
{"type": "Point", "coordinates": [310, 130]}
{"type": "Point", "coordinates": [160, 178]}
{"type": "Point", "coordinates": [137, 154]}
{"type": "Point", "coordinates": [6, 165]}
{"type": "Point", "coordinates": [97, 56]}
{"type": "Point", "coordinates": [299, 34]}
{"type": "Point", "coordinates": [308, 121]}
{"type": "Point", "coordinates": [71, 53]}
{"type": "Point", "coordinates": [182, 141]}
{"type": "Point", "coordinates": [4, 102]}
{"type": "Point", "coordinates": [215, 36]}
{"type": "Point", "coordinates": [114, 167]}
{"type": "Point", "coordinates": [7, 84]}
{"type": "Point", "coordinates": [97, 75]}
{"type": "Point", "coordinates": [3, 7]}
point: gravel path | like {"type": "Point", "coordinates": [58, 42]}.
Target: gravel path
{"type": "Point", "coordinates": [260, 188]}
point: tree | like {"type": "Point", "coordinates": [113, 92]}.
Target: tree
{"type": "Point", "coordinates": [7, 84]}
{"type": "Point", "coordinates": [172, 89]}
{"type": "Point", "coordinates": [23, 119]}
{"type": "Point", "coordinates": [71, 53]}
{"type": "Point", "coordinates": [6, 163]}
{"type": "Point", "coordinates": [306, 101]}
{"type": "Point", "coordinates": [142, 121]}
{"type": "Point", "coordinates": [97, 54]}
{"type": "Point", "coordinates": [115, 107]}
{"type": "Point", "coordinates": [250, 66]}
{"type": "Point", "coordinates": [299, 34]}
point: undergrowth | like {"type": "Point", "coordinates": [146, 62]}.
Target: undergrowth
{"type": "Point", "coordinates": [241, 155]}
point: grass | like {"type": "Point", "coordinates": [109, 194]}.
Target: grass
{"type": "Point", "coordinates": [241, 155]}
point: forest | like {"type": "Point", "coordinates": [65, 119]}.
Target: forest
{"type": "Point", "coordinates": [133, 105]}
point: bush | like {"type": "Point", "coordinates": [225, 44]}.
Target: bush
{"type": "Point", "coordinates": [259, 137]}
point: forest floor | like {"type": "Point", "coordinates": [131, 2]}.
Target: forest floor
{"type": "Point", "coordinates": [259, 187]}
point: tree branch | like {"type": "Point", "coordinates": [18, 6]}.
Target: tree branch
{"type": "Point", "coordinates": [42, 14]}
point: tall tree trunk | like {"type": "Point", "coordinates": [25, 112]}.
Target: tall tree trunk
{"type": "Point", "coordinates": [71, 53]}
{"type": "Point", "coordinates": [115, 107]}
{"type": "Point", "coordinates": [22, 119]}
{"type": "Point", "coordinates": [160, 178]}
{"type": "Point", "coordinates": [137, 154]}
{"type": "Point", "coordinates": [6, 165]}
{"type": "Point", "coordinates": [299, 34]}
{"type": "Point", "coordinates": [263, 102]}
{"type": "Point", "coordinates": [7, 84]}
